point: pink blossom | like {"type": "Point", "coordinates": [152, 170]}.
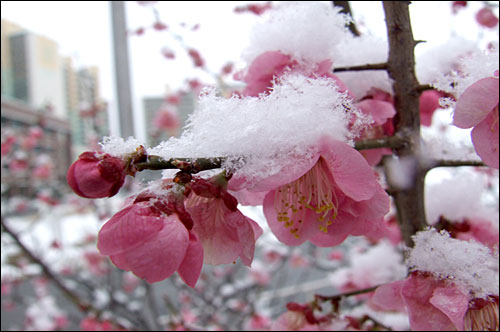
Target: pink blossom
{"type": "Point", "coordinates": [159, 26]}
{"type": "Point", "coordinates": [382, 112]}
{"type": "Point", "coordinates": [477, 107]}
{"type": "Point", "coordinates": [477, 229]}
{"type": "Point", "coordinates": [436, 304]}
{"type": "Point", "coordinates": [271, 64]}
{"type": "Point", "coordinates": [486, 18]}
{"type": "Point", "coordinates": [224, 231]}
{"type": "Point", "coordinates": [96, 175]}
{"type": "Point", "coordinates": [301, 317]}
{"type": "Point", "coordinates": [429, 103]}
{"type": "Point", "coordinates": [258, 322]}
{"type": "Point", "coordinates": [457, 5]}
{"type": "Point", "coordinates": [326, 198]}
{"type": "Point", "coordinates": [93, 324]}
{"type": "Point", "coordinates": [42, 171]}
{"type": "Point", "coordinates": [150, 240]}
{"type": "Point", "coordinates": [167, 119]}
{"type": "Point", "coordinates": [256, 9]}
{"type": "Point", "coordinates": [196, 57]}
{"type": "Point", "coordinates": [97, 263]}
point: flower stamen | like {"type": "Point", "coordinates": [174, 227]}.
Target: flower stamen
{"type": "Point", "coordinates": [312, 191]}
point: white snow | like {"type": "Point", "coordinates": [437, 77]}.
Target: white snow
{"type": "Point", "coordinates": [468, 264]}
{"type": "Point", "coordinates": [305, 30]}
{"type": "Point", "coordinates": [477, 65]}
{"type": "Point", "coordinates": [261, 134]}
{"type": "Point", "coordinates": [118, 147]}
{"type": "Point", "coordinates": [458, 198]}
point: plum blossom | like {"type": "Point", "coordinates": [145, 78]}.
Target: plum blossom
{"type": "Point", "coordinates": [486, 18]}
{"type": "Point", "coordinates": [326, 198]}
{"type": "Point", "coordinates": [223, 230]}
{"type": "Point", "coordinates": [96, 175]}
{"type": "Point", "coordinates": [151, 238]}
{"type": "Point", "coordinates": [271, 64]}
{"type": "Point", "coordinates": [477, 107]}
{"type": "Point", "coordinates": [301, 317]}
{"type": "Point", "coordinates": [453, 286]}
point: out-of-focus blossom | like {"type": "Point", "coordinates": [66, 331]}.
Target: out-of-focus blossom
{"type": "Point", "coordinates": [477, 107]}
{"type": "Point", "coordinates": [487, 18]}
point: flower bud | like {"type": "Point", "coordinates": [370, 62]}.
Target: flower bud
{"type": "Point", "coordinates": [96, 175]}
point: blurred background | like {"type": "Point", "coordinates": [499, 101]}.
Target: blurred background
{"type": "Point", "coordinates": [73, 72]}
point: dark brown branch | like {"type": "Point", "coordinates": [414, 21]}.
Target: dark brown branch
{"type": "Point", "coordinates": [341, 296]}
{"type": "Point", "coordinates": [392, 142]}
{"type": "Point", "coordinates": [194, 165]}
{"type": "Point", "coordinates": [401, 68]}
{"type": "Point", "coordinates": [372, 66]}
{"type": "Point", "coordinates": [346, 9]}
{"type": "Point", "coordinates": [457, 163]}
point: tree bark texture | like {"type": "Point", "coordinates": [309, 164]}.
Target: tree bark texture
{"type": "Point", "coordinates": [401, 68]}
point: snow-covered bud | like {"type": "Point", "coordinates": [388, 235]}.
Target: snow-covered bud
{"type": "Point", "coordinates": [96, 175]}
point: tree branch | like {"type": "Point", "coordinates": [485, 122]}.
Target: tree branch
{"type": "Point", "coordinates": [393, 142]}
{"type": "Point", "coordinates": [457, 163]}
{"type": "Point", "coordinates": [346, 9]}
{"type": "Point", "coordinates": [371, 66]}
{"type": "Point", "coordinates": [347, 294]}
{"type": "Point", "coordinates": [401, 68]}
{"type": "Point", "coordinates": [70, 294]}
{"type": "Point", "coordinates": [194, 165]}
{"type": "Point", "coordinates": [82, 305]}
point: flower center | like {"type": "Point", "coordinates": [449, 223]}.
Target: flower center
{"type": "Point", "coordinates": [494, 124]}
{"type": "Point", "coordinates": [482, 317]}
{"type": "Point", "coordinates": [311, 191]}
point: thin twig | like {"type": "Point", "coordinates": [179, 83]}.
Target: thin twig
{"type": "Point", "coordinates": [372, 66]}
{"type": "Point", "coordinates": [347, 294]}
{"type": "Point", "coordinates": [81, 304]}
{"type": "Point", "coordinates": [346, 9]}
{"type": "Point", "coordinates": [457, 163]}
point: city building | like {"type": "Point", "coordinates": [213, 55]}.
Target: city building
{"type": "Point", "coordinates": [44, 92]}
{"type": "Point", "coordinates": [17, 119]}
{"type": "Point", "coordinates": [32, 69]}
{"type": "Point", "coordinates": [87, 112]}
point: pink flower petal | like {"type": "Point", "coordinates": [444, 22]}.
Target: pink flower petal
{"type": "Point", "coordinates": [262, 71]}
{"type": "Point", "coordinates": [380, 111]}
{"type": "Point", "coordinates": [291, 172]}
{"type": "Point", "coordinates": [191, 266]}
{"type": "Point", "coordinates": [388, 296]}
{"type": "Point", "coordinates": [476, 102]}
{"type": "Point", "coordinates": [159, 257]}
{"type": "Point", "coordinates": [128, 229]}
{"type": "Point", "coordinates": [350, 170]}
{"type": "Point", "coordinates": [485, 139]}
{"type": "Point", "coordinates": [417, 292]}
{"type": "Point", "coordinates": [429, 103]}
{"type": "Point", "coordinates": [225, 234]}
{"type": "Point", "coordinates": [453, 303]}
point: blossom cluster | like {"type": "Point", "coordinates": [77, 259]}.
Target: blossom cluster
{"type": "Point", "coordinates": [286, 142]}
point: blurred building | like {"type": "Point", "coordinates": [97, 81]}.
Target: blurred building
{"type": "Point", "coordinates": [151, 107]}
{"type": "Point", "coordinates": [32, 69]}
{"type": "Point", "coordinates": [42, 89]}
{"type": "Point", "coordinates": [17, 118]}
{"type": "Point", "coordinates": [87, 112]}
